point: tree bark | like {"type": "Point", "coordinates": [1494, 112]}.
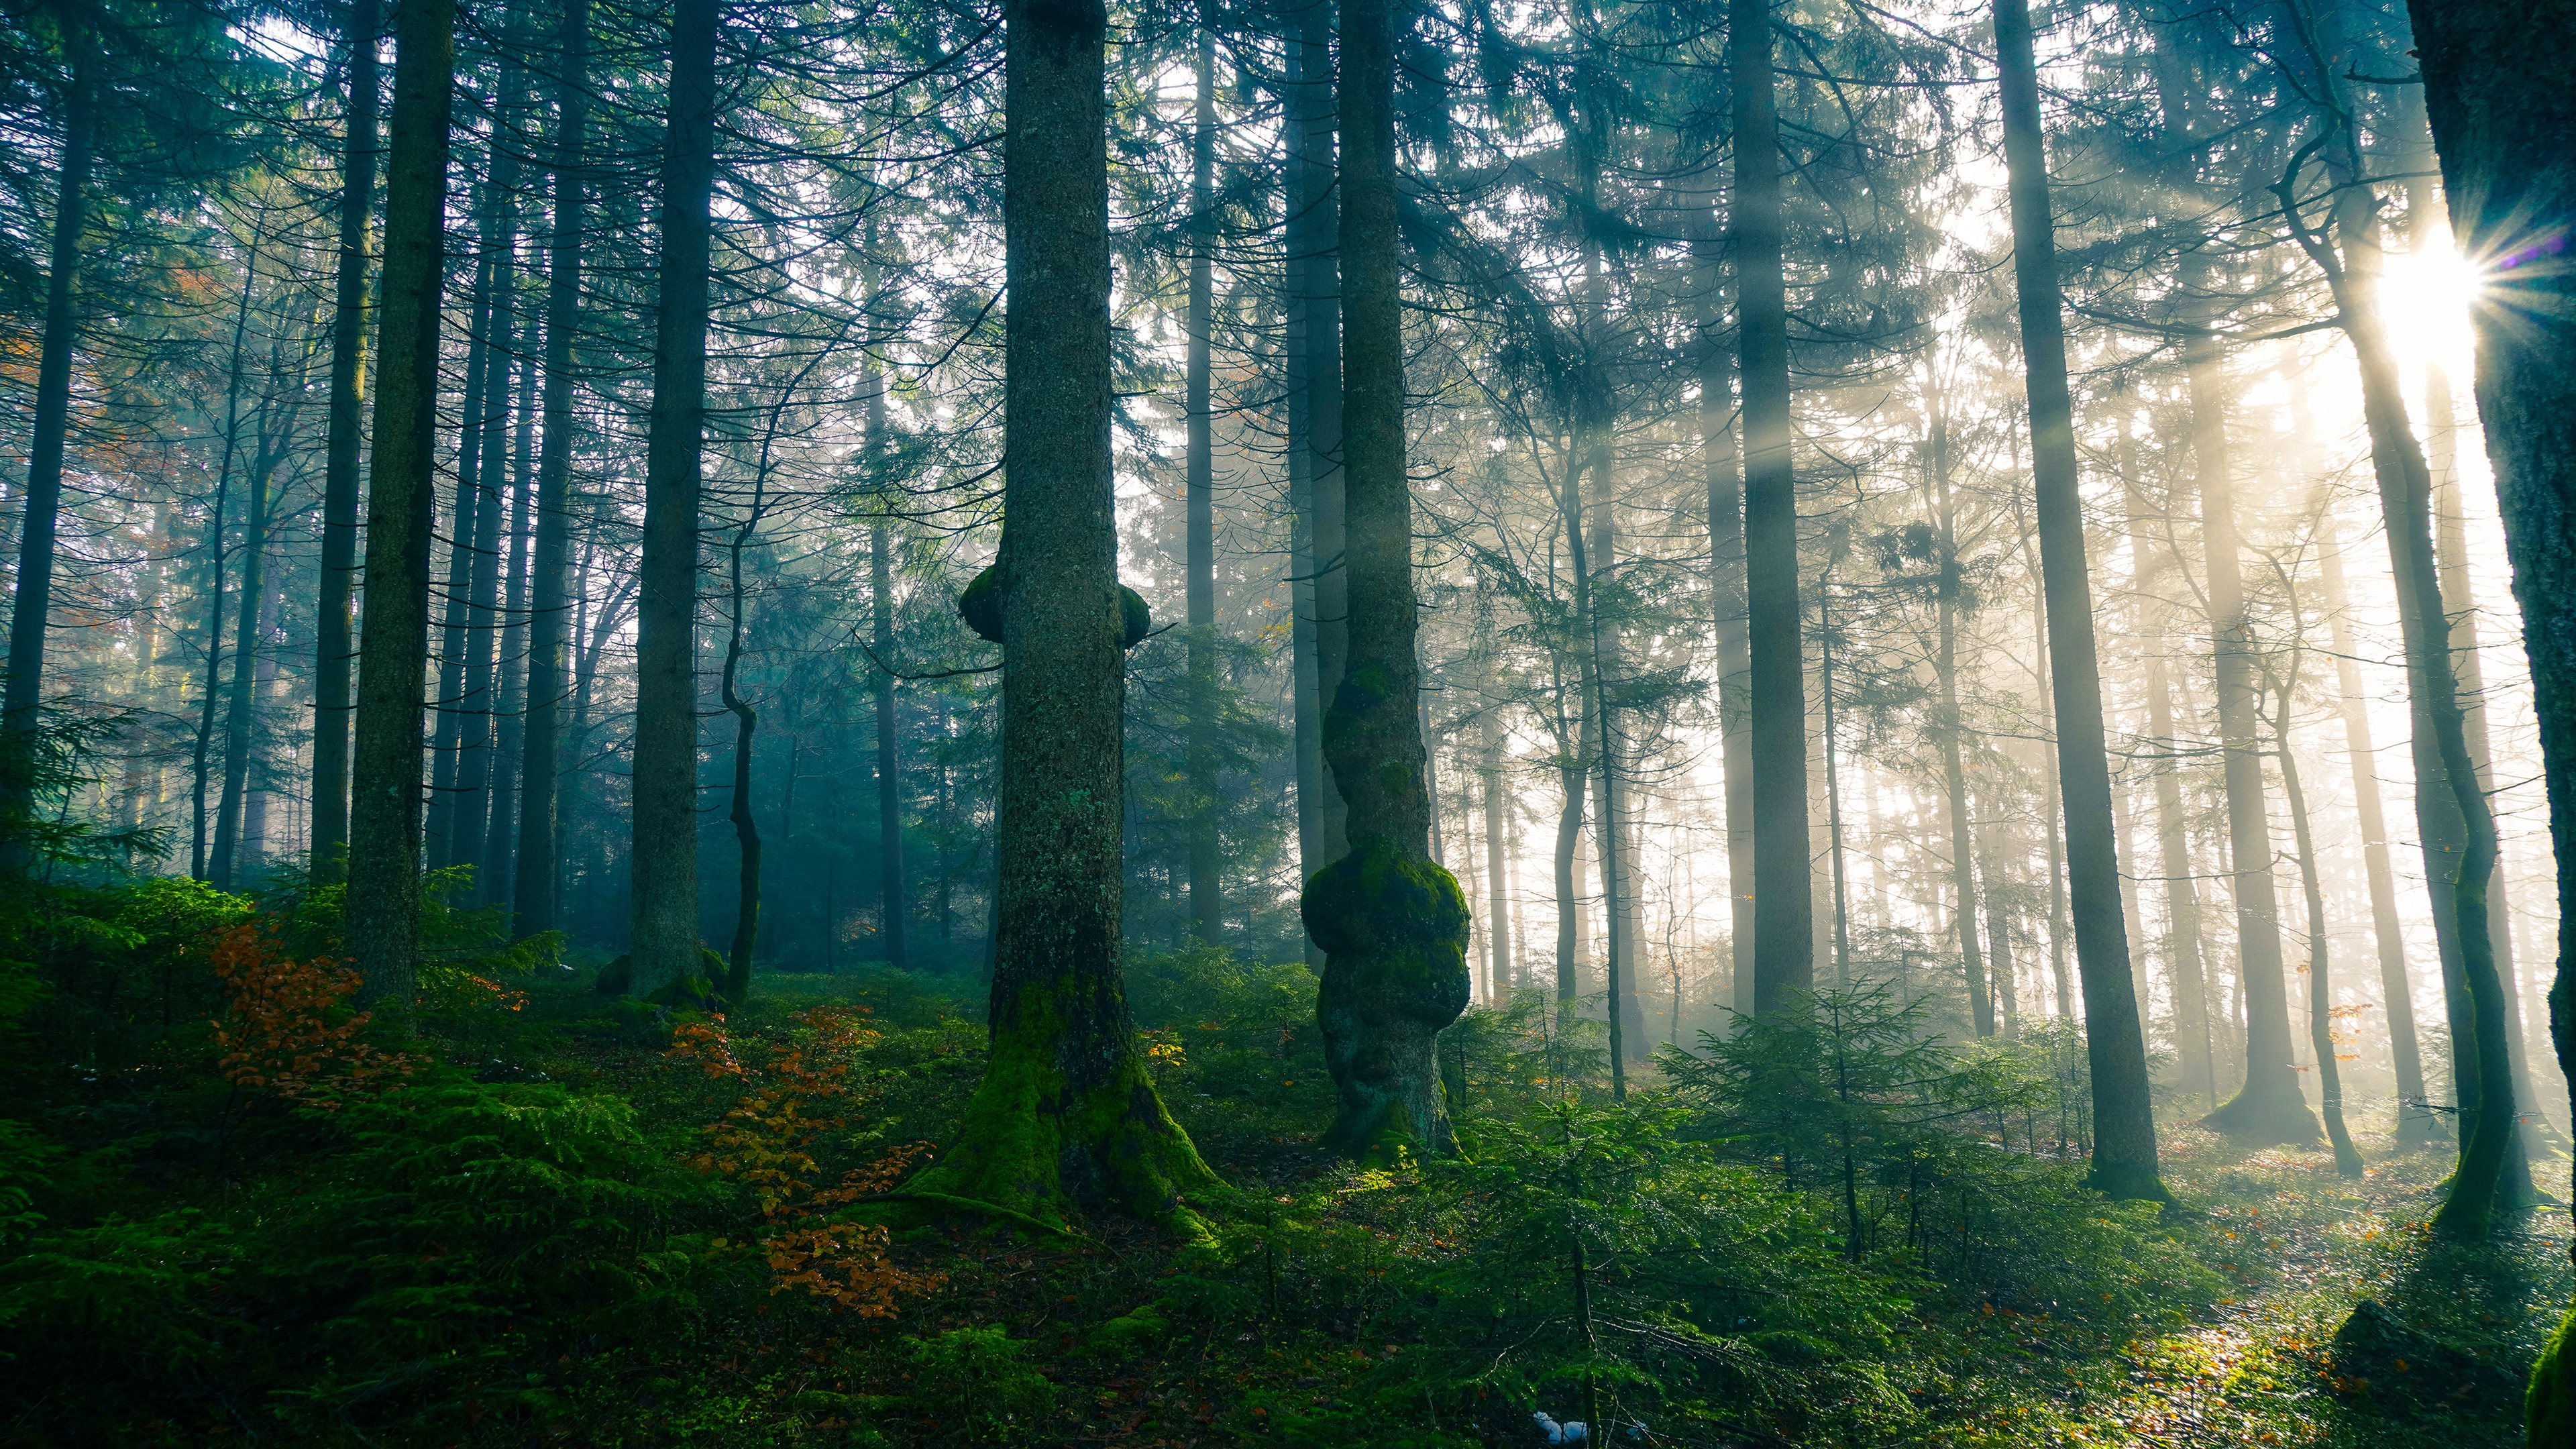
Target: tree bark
{"type": "Point", "coordinates": [2500, 90]}
{"type": "Point", "coordinates": [2451, 550]}
{"type": "Point", "coordinates": [509, 746]}
{"type": "Point", "coordinates": [1316, 241]}
{"type": "Point", "coordinates": [382, 919]}
{"type": "Point", "coordinates": [465, 543]}
{"type": "Point", "coordinates": [1207, 916]}
{"type": "Point", "coordinates": [2416, 1123]}
{"type": "Point", "coordinates": [200, 860]}
{"type": "Point", "coordinates": [1784, 945]}
{"type": "Point", "coordinates": [1498, 926]}
{"type": "Point", "coordinates": [1066, 1114]}
{"type": "Point", "coordinates": [334, 645]}
{"type": "Point", "coordinates": [665, 849]}
{"type": "Point", "coordinates": [1392, 922]}
{"type": "Point", "coordinates": [533, 897]}
{"type": "Point", "coordinates": [2124, 1130]}
{"type": "Point", "coordinates": [2268, 1108]}
{"type": "Point", "coordinates": [1725, 468]}
{"type": "Point", "coordinates": [896, 913]}
{"type": "Point", "coordinates": [1952, 730]}
{"type": "Point", "coordinates": [2320, 984]}
{"type": "Point", "coordinates": [242, 704]}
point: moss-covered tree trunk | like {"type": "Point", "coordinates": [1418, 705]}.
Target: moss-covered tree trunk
{"type": "Point", "coordinates": [665, 851]}
{"type": "Point", "coordinates": [382, 920]}
{"type": "Point", "coordinates": [2124, 1128]}
{"type": "Point", "coordinates": [1066, 1117]}
{"type": "Point", "coordinates": [1392, 922]}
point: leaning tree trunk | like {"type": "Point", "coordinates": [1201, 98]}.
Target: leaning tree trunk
{"type": "Point", "coordinates": [1066, 1115]}
{"type": "Point", "coordinates": [2490, 1138]}
{"type": "Point", "coordinates": [894, 918]}
{"type": "Point", "coordinates": [2500, 87]}
{"type": "Point", "coordinates": [2320, 983]}
{"type": "Point", "coordinates": [665, 849]}
{"type": "Point", "coordinates": [1784, 932]}
{"type": "Point", "coordinates": [335, 623]}
{"type": "Point", "coordinates": [1392, 922]}
{"type": "Point", "coordinates": [1207, 915]}
{"type": "Point", "coordinates": [2416, 1124]}
{"type": "Point", "coordinates": [2451, 551]}
{"type": "Point", "coordinates": [533, 892]}
{"type": "Point", "coordinates": [2124, 1128]}
{"type": "Point", "coordinates": [2268, 1108]}
{"type": "Point", "coordinates": [382, 918]}
{"type": "Point", "coordinates": [746, 825]}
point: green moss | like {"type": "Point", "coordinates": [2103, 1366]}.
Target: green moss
{"type": "Point", "coordinates": [2549, 1405]}
{"type": "Point", "coordinates": [616, 978]}
{"type": "Point", "coordinates": [1035, 1145]}
{"type": "Point", "coordinates": [1394, 929]}
{"type": "Point", "coordinates": [981, 607]}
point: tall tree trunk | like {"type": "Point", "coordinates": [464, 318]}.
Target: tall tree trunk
{"type": "Point", "coordinates": [533, 897]}
{"type": "Point", "coordinates": [334, 644]}
{"type": "Point", "coordinates": [2500, 88]}
{"type": "Point", "coordinates": [23, 697]}
{"type": "Point", "coordinates": [2416, 1123]}
{"type": "Point", "coordinates": [1725, 467]}
{"type": "Point", "coordinates": [2268, 1108]}
{"type": "Point", "coordinates": [499, 872]}
{"type": "Point", "coordinates": [1066, 1114]}
{"type": "Point", "coordinates": [1784, 946]}
{"type": "Point", "coordinates": [2124, 1129]}
{"type": "Point", "coordinates": [465, 542]}
{"type": "Point", "coordinates": [746, 826]}
{"type": "Point", "coordinates": [1994, 843]}
{"type": "Point", "coordinates": [897, 909]}
{"type": "Point", "coordinates": [2451, 549]}
{"type": "Point", "coordinates": [2192, 1035]}
{"type": "Point", "coordinates": [1207, 914]}
{"type": "Point", "coordinates": [202, 756]}
{"type": "Point", "coordinates": [1953, 728]}
{"type": "Point", "coordinates": [383, 912]}
{"type": "Point", "coordinates": [241, 706]}
{"type": "Point", "coordinates": [665, 850]}
{"type": "Point", "coordinates": [1392, 922]}
{"type": "Point", "coordinates": [2320, 983]}
{"type": "Point", "coordinates": [1573, 778]}
{"type": "Point", "coordinates": [2492, 1170]}
{"type": "Point", "coordinates": [1313, 120]}
{"type": "Point", "coordinates": [1498, 926]}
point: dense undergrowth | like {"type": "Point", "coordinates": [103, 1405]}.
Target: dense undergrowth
{"type": "Point", "coordinates": [234, 1209]}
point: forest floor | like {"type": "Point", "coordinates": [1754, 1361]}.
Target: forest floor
{"type": "Point", "coordinates": [2305, 1247]}
{"type": "Point", "coordinates": [2301, 1246]}
{"type": "Point", "coordinates": [544, 1242]}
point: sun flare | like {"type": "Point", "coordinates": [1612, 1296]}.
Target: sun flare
{"type": "Point", "coordinates": [2425, 298]}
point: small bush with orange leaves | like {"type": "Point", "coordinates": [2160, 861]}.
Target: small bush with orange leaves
{"type": "Point", "coordinates": [798, 1095]}
{"type": "Point", "coordinates": [287, 1028]}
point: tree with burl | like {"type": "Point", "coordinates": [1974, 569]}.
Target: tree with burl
{"type": "Point", "coordinates": [1392, 923]}
{"type": "Point", "coordinates": [1066, 1119]}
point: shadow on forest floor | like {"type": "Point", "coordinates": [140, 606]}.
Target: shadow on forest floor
{"type": "Point", "coordinates": [2440, 1362]}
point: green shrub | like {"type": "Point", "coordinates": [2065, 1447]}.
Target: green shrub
{"type": "Point", "coordinates": [978, 1379]}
